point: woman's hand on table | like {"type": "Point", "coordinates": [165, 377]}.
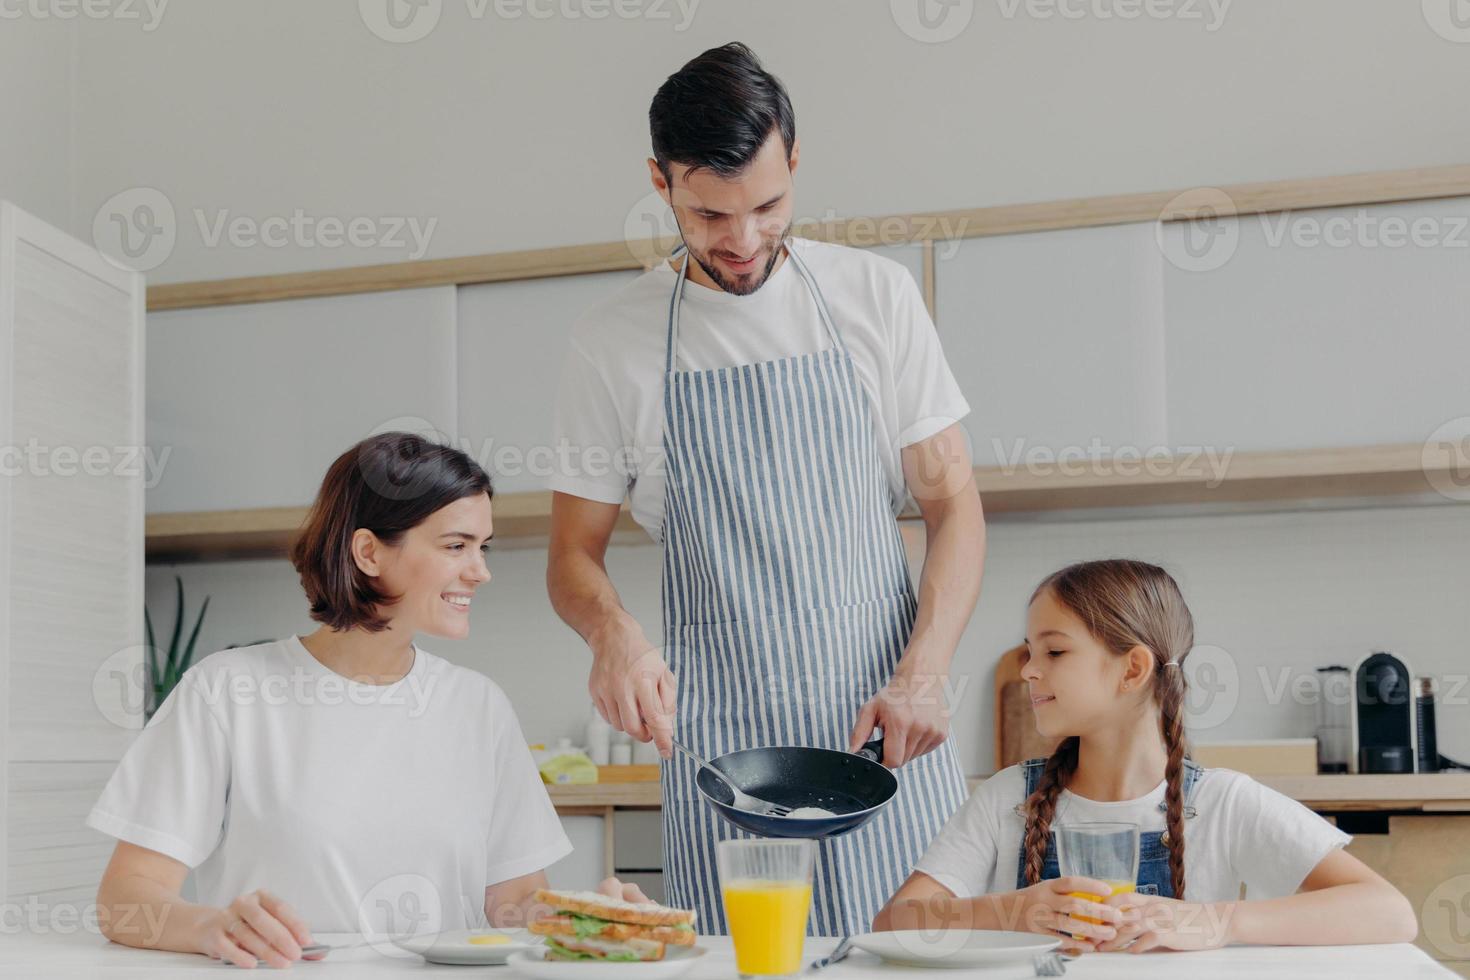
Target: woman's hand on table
{"type": "Point", "coordinates": [624, 891]}
{"type": "Point", "coordinates": [1048, 907]}
{"type": "Point", "coordinates": [1155, 922]}
{"type": "Point", "coordinates": [254, 927]}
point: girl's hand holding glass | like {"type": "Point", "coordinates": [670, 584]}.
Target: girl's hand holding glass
{"type": "Point", "coordinates": [1154, 922]}
{"type": "Point", "coordinates": [1055, 907]}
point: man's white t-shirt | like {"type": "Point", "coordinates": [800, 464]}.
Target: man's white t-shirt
{"type": "Point", "coordinates": [610, 408]}
{"type": "Point", "coordinates": [1244, 833]}
{"type": "Point", "coordinates": [367, 808]}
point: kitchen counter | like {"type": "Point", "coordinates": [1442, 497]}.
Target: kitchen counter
{"type": "Point", "coordinates": [40, 956]}
{"type": "Point", "coordinates": [1429, 793]}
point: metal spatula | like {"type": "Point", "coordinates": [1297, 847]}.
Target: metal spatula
{"type": "Point", "coordinates": [743, 800]}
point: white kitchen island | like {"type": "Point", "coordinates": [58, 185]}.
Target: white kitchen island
{"type": "Point", "coordinates": [42, 956]}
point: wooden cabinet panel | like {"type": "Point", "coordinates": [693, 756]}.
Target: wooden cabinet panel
{"type": "Point", "coordinates": [1428, 859]}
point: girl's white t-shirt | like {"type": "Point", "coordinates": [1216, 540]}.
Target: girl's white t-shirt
{"type": "Point", "coordinates": [610, 407]}
{"type": "Point", "coordinates": [1244, 833]}
{"type": "Point", "coordinates": [367, 808]}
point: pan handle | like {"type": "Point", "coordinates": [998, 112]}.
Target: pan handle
{"type": "Point", "coordinates": [873, 751]}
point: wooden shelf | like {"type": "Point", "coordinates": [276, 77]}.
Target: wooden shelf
{"type": "Point", "coordinates": [603, 795]}
{"type": "Point", "coordinates": [1430, 792]}
{"type": "Point", "coordinates": [619, 787]}
{"type": "Point", "coordinates": [522, 520]}
{"type": "Point", "coordinates": [1417, 184]}
{"type": "Point", "coordinates": [222, 534]}
{"type": "Point", "coordinates": [1367, 472]}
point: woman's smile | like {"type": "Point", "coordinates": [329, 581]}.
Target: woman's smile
{"type": "Point", "coordinates": [458, 601]}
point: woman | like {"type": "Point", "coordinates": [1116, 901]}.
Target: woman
{"type": "Point", "coordinates": [1105, 641]}
{"type": "Point", "coordinates": [373, 786]}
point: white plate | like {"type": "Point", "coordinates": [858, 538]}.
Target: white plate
{"type": "Point", "coordinates": [955, 948]}
{"type": "Point", "coordinates": [455, 949]}
{"type": "Point", "coordinates": [677, 961]}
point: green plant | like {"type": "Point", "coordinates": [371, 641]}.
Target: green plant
{"type": "Point", "coordinates": [164, 670]}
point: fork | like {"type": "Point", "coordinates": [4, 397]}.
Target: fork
{"type": "Point", "coordinates": [324, 948]}
{"type": "Point", "coordinates": [1051, 964]}
{"type": "Point", "coordinates": [743, 800]}
{"type": "Point", "coordinates": [838, 954]}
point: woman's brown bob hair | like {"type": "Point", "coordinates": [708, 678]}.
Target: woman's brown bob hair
{"type": "Point", "coordinates": [387, 484]}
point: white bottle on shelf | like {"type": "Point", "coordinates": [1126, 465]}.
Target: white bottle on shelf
{"type": "Point", "coordinates": [599, 739]}
{"type": "Point", "coordinates": [646, 754]}
{"type": "Point", "coordinates": [621, 752]}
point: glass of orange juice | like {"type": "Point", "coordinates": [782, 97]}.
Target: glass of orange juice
{"type": "Point", "coordinates": [1105, 851]}
{"type": "Point", "coordinates": [767, 888]}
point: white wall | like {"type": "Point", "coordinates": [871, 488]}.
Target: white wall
{"type": "Point", "coordinates": [36, 118]}
{"type": "Point", "coordinates": [1280, 593]}
{"type": "Point", "coordinates": [521, 132]}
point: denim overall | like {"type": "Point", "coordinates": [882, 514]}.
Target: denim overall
{"type": "Point", "coordinates": [1153, 850]}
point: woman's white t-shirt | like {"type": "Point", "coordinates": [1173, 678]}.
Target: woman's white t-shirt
{"type": "Point", "coordinates": [610, 408]}
{"type": "Point", "coordinates": [368, 808]}
{"type": "Point", "coordinates": [1244, 833]}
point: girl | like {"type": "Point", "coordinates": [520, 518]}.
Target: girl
{"type": "Point", "coordinates": [1105, 641]}
{"type": "Point", "coordinates": [372, 785]}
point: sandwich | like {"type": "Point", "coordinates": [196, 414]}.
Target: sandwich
{"type": "Point", "coordinates": [592, 926]}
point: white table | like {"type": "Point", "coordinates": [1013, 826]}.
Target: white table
{"type": "Point", "coordinates": [53, 955]}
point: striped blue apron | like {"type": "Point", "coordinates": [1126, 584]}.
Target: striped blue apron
{"type": "Point", "coordinates": [787, 605]}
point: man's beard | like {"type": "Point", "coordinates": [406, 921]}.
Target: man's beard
{"type": "Point", "coordinates": [749, 283]}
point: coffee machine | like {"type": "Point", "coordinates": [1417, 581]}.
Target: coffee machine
{"type": "Point", "coordinates": [1383, 725]}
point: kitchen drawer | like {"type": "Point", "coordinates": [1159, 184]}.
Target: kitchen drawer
{"type": "Point", "coordinates": [638, 843]}
{"type": "Point", "coordinates": [1428, 859]}
{"type": "Point", "coordinates": [586, 865]}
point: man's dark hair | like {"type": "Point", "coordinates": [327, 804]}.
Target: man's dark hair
{"type": "Point", "coordinates": [717, 111]}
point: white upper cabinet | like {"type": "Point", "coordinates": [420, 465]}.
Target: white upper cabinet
{"type": "Point", "coordinates": [911, 257]}
{"type": "Point", "coordinates": [1320, 328]}
{"type": "Point", "coordinates": [1056, 339]}
{"type": "Point", "coordinates": [512, 340]}
{"type": "Point", "coordinates": [252, 403]}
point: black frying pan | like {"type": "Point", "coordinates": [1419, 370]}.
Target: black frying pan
{"type": "Point", "coordinates": [855, 786]}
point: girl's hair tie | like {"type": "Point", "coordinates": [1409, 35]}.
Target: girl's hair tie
{"type": "Point", "coordinates": [1172, 663]}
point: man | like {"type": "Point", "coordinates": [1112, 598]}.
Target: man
{"type": "Point", "coordinates": [779, 399]}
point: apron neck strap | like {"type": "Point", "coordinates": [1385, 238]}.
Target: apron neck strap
{"type": "Point", "coordinates": [671, 344]}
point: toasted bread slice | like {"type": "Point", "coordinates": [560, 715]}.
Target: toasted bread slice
{"type": "Point", "coordinates": [644, 950]}
{"type": "Point", "coordinates": [561, 925]}
{"type": "Point", "coordinates": [601, 906]}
